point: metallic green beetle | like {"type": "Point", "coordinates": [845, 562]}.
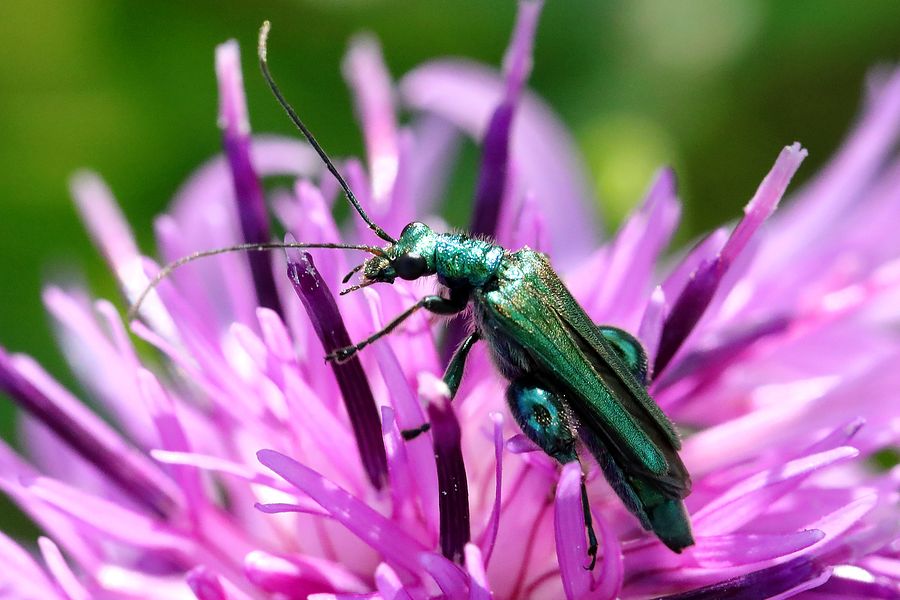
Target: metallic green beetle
{"type": "Point", "coordinates": [569, 379]}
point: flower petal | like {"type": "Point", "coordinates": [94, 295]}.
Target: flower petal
{"type": "Point", "coordinates": [329, 326]}
{"type": "Point", "coordinates": [571, 547]}
{"type": "Point", "coordinates": [251, 204]}
{"type": "Point", "coordinates": [370, 81]}
{"type": "Point", "coordinates": [65, 578]}
{"type": "Point", "coordinates": [377, 531]}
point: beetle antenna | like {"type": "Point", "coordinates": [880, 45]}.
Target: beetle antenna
{"type": "Point", "coordinates": [175, 264]}
{"type": "Point", "coordinates": [264, 67]}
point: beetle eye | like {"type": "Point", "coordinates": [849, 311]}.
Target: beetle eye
{"type": "Point", "coordinates": [409, 266]}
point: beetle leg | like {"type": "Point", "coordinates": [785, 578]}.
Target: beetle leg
{"type": "Point", "coordinates": [629, 350]}
{"type": "Point", "coordinates": [453, 374]}
{"type": "Point", "coordinates": [434, 303]}
{"type": "Point", "coordinates": [546, 420]}
{"type": "Point", "coordinates": [452, 377]}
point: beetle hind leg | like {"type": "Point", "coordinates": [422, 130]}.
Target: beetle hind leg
{"type": "Point", "coordinates": [546, 420]}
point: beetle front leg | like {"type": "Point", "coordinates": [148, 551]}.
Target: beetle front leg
{"type": "Point", "coordinates": [434, 303]}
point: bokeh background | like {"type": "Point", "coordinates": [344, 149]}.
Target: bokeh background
{"type": "Point", "coordinates": [712, 87]}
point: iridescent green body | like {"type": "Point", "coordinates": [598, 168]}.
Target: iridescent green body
{"type": "Point", "coordinates": [569, 378]}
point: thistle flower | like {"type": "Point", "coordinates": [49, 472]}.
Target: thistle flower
{"type": "Point", "coordinates": [241, 465]}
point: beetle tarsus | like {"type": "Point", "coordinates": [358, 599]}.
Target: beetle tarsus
{"type": "Point", "coordinates": [342, 355]}
{"type": "Point", "coordinates": [411, 434]}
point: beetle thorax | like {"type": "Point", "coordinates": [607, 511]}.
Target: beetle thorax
{"type": "Point", "coordinates": [464, 261]}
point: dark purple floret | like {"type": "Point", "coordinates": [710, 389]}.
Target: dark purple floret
{"type": "Point", "coordinates": [453, 498]}
{"type": "Point", "coordinates": [696, 296]}
{"type": "Point", "coordinates": [108, 461]}
{"type": "Point", "coordinates": [842, 587]}
{"type": "Point", "coordinates": [254, 218]}
{"type": "Point", "coordinates": [712, 362]}
{"type": "Point", "coordinates": [759, 584]}
{"type": "Point", "coordinates": [248, 190]}
{"type": "Point", "coordinates": [688, 308]}
{"type": "Point", "coordinates": [326, 320]}
{"type": "Point", "coordinates": [492, 171]}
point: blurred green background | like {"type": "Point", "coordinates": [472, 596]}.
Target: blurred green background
{"type": "Point", "coordinates": [126, 88]}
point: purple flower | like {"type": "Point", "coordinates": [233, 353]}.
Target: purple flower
{"type": "Point", "coordinates": [239, 464]}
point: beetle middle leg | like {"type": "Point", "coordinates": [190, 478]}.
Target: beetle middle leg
{"type": "Point", "coordinates": [547, 421]}
{"type": "Point", "coordinates": [433, 303]}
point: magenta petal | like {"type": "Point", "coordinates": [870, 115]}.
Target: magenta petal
{"type": "Point", "coordinates": [749, 498]}
{"type": "Point", "coordinates": [106, 517]}
{"type": "Point", "coordinates": [292, 577]}
{"type": "Point", "coordinates": [475, 566]}
{"type": "Point", "coordinates": [519, 444]}
{"type": "Point", "coordinates": [725, 551]}
{"type": "Point", "coordinates": [634, 252]}
{"type": "Point", "coordinates": [780, 581]}
{"type": "Point", "coordinates": [866, 587]}
{"type": "Point", "coordinates": [21, 576]}
{"type": "Point", "coordinates": [85, 433]}
{"type": "Point", "coordinates": [449, 577]}
{"type": "Point", "coordinates": [205, 584]}
{"type": "Point", "coordinates": [489, 536]}
{"type": "Point", "coordinates": [571, 545]}
{"type": "Point", "coordinates": [377, 531]}
{"type": "Point", "coordinates": [608, 585]}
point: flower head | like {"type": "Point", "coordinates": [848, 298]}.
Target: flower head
{"type": "Point", "coordinates": [240, 464]}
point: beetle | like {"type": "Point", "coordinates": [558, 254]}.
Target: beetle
{"type": "Point", "coordinates": [571, 382]}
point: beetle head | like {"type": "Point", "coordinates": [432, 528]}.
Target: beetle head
{"type": "Point", "coordinates": [410, 258]}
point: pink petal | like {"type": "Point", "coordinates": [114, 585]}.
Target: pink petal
{"type": "Point", "coordinates": [753, 496]}
{"type": "Point", "coordinates": [65, 578]}
{"type": "Point", "coordinates": [715, 552]}
{"type": "Point", "coordinates": [295, 577]}
{"type": "Point", "coordinates": [388, 583]}
{"type": "Point", "coordinates": [378, 532]}
{"type": "Point", "coordinates": [205, 584]}
{"type": "Point", "coordinates": [479, 588]}
{"type": "Point", "coordinates": [21, 576]}
{"type": "Point", "coordinates": [571, 545]}
{"type": "Point", "coordinates": [367, 75]}
{"type": "Point", "coordinates": [489, 535]}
